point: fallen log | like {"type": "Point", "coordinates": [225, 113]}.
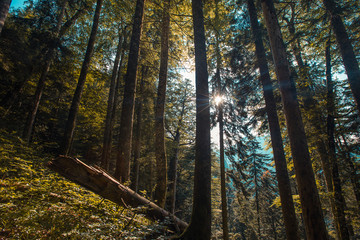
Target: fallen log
{"type": "Point", "coordinates": [100, 182]}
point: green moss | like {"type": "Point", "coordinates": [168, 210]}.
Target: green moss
{"type": "Point", "coordinates": [36, 203]}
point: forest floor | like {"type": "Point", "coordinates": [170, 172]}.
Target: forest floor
{"type": "Point", "coordinates": [36, 203]}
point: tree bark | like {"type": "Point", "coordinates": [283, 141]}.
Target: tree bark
{"type": "Point", "coordinates": [73, 19]}
{"type": "Point", "coordinates": [354, 176]}
{"type": "Point", "coordinates": [347, 52]}
{"type": "Point", "coordinates": [224, 209]}
{"type": "Point", "coordinates": [29, 125]}
{"type": "Point", "coordinates": [100, 182]}
{"type": "Point", "coordinates": [122, 170]}
{"type": "Point", "coordinates": [339, 214]}
{"type": "Point", "coordinates": [256, 188]}
{"type": "Point", "coordinates": [284, 185]}
{"type": "Point", "coordinates": [74, 108]}
{"type": "Point", "coordinates": [329, 163]}
{"type": "Point", "coordinates": [200, 224]}
{"type": "Point", "coordinates": [310, 201]}
{"type": "Point", "coordinates": [175, 157]}
{"type": "Point", "coordinates": [105, 155]}
{"type": "Point", "coordinates": [117, 98]}
{"type": "Point", "coordinates": [137, 136]}
{"type": "Point", "coordinates": [173, 172]}
{"type": "Point", "coordinates": [160, 151]}
{"type": "Point", "coordinates": [4, 9]}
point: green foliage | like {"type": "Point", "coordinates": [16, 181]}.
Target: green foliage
{"type": "Point", "coordinates": [35, 203]}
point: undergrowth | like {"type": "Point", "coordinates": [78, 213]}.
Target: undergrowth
{"type": "Point", "coordinates": [36, 203]}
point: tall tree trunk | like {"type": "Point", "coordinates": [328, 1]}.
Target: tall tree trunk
{"type": "Point", "coordinates": [173, 172]}
{"type": "Point", "coordinates": [4, 9]}
{"type": "Point", "coordinates": [310, 201]}
{"type": "Point", "coordinates": [29, 125]}
{"type": "Point", "coordinates": [137, 136]}
{"type": "Point", "coordinates": [257, 198]}
{"type": "Point", "coordinates": [175, 157]}
{"type": "Point", "coordinates": [160, 151]}
{"type": "Point", "coordinates": [354, 176]}
{"type": "Point", "coordinates": [117, 96]}
{"type": "Point", "coordinates": [73, 19]}
{"type": "Point", "coordinates": [224, 210]}
{"type": "Point", "coordinates": [200, 224]}
{"type": "Point", "coordinates": [311, 106]}
{"type": "Point", "coordinates": [347, 52]}
{"type": "Point", "coordinates": [274, 227]}
{"type": "Point", "coordinates": [122, 170]}
{"type": "Point", "coordinates": [105, 155]}
{"type": "Point", "coordinates": [74, 108]}
{"type": "Point", "coordinates": [339, 200]}
{"type": "Point", "coordinates": [284, 185]}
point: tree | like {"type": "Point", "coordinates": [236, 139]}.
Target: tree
{"type": "Point", "coordinates": [41, 84]}
{"type": "Point", "coordinates": [347, 52]}
{"type": "Point", "coordinates": [339, 211]}
{"type": "Point", "coordinates": [313, 110]}
{"type": "Point", "coordinates": [137, 136]}
{"type": "Point", "coordinates": [287, 204]}
{"type": "Point", "coordinates": [310, 202]}
{"type": "Point", "coordinates": [74, 108]}
{"type": "Point", "coordinates": [254, 183]}
{"type": "Point", "coordinates": [4, 9]}
{"type": "Point", "coordinates": [122, 170]}
{"type": "Point", "coordinates": [111, 102]}
{"type": "Point", "coordinates": [314, 117]}
{"type": "Point", "coordinates": [224, 210]}
{"type": "Point", "coordinates": [160, 151]}
{"type": "Point", "coordinates": [12, 95]}
{"type": "Point", "coordinates": [176, 137]}
{"type": "Point", "coordinates": [200, 224]}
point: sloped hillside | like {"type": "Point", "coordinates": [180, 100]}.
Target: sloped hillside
{"type": "Point", "coordinates": [36, 203]}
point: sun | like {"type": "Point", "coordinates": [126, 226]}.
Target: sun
{"type": "Point", "coordinates": [218, 99]}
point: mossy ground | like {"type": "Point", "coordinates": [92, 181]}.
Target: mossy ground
{"type": "Point", "coordinates": [36, 203]}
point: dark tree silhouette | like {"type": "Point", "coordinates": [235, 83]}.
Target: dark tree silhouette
{"type": "Point", "coordinates": [309, 197]}
{"type": "Point", "coordinates": [287, 204]}
{"type": "Point", "coordinates": [339, 211]}
{"type": "Point", "coordinates": [29, 125]}
{"type": "Point", "coordinates": [160, 152]}
{"type": "Point", "coordinates": [74, 108]}
{"type": "Point", "coordinates": [200, 224]}
{"type": "Point", "coordinates": [122, 170]}
{"type": "Point", "coordinates": [347, 51]}
{"type": "Point", "coordinates": [105, 155]}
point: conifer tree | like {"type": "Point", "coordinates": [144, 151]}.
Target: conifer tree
{"type": "Point", "coordinates": [111, 102]}
{"type": "Point", "coordinates": [339, 209]}
{"type": "Point", "coordinates": [29, 125]}
{"type": "Point", "coordinates": [287, 204]}
{"type": "Point", "coordinates": [74, 108]}
{"type": "Point", "coordinates": [160, 151]}
{"type": "Point", "coordinates": [310, 202]}
{"type": "Point", "coordinates": [200, 223]}
{"type": "Point", "coordinates": [347, 51]}
{"type": "Point", "coordinates": [122, 170]}
{"type": "Point", "coordinates": [137, 134]}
